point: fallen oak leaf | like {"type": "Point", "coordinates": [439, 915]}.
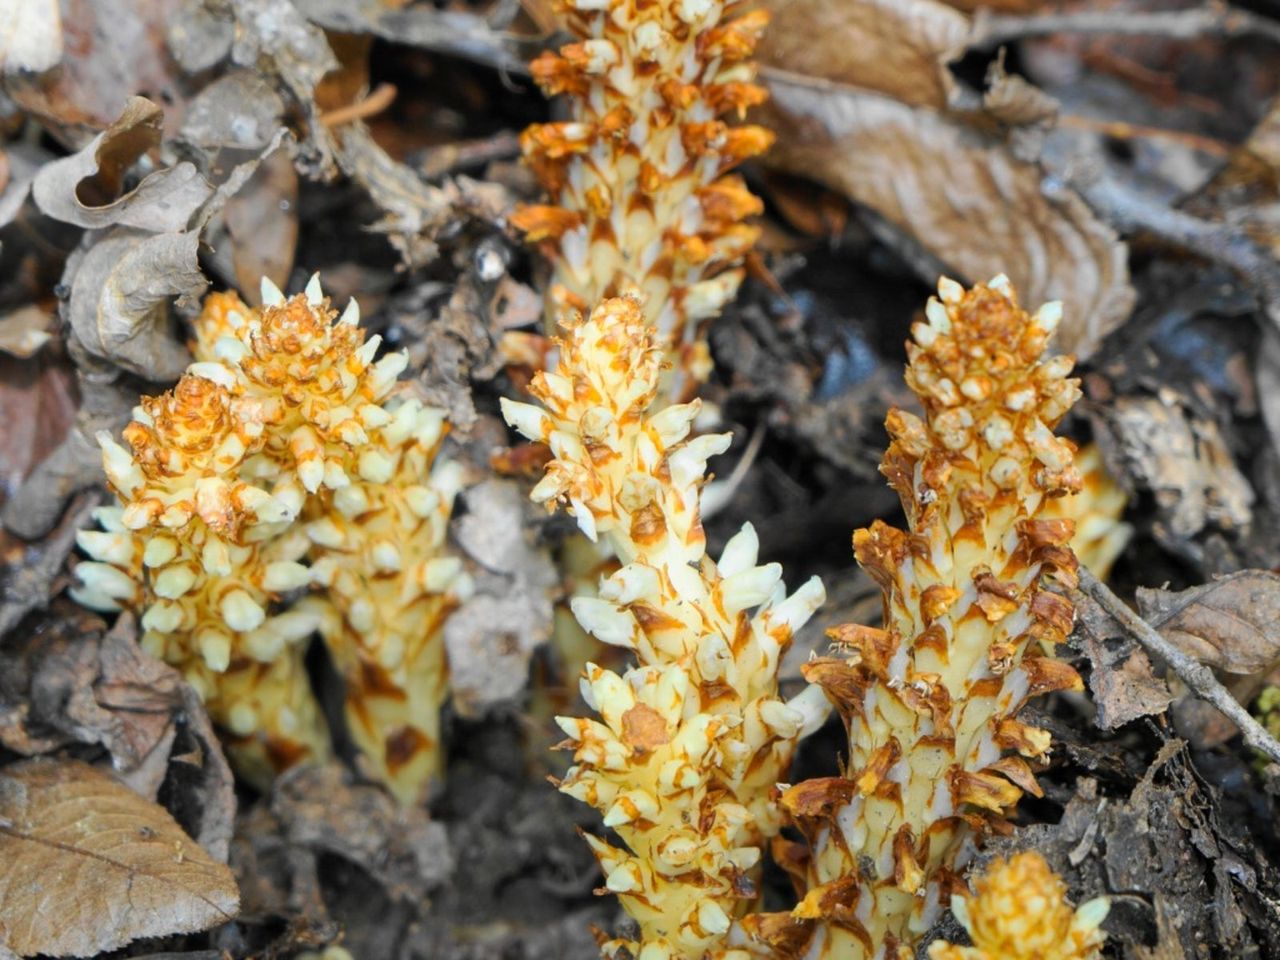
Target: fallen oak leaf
{"type": "Point", "coordinates": [91, 866]}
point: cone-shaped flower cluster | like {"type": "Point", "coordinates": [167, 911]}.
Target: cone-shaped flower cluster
{"type": "Point", "coordinates": [692, 738]}
{"type": "Point", "coordinates": [1020, 912]}
{"type": "Point", "coordinates": [936, 754]}
{"type": "Point", "coordinates": [637, 174]}
{"type": "Point", "coordinates": [281, 462]}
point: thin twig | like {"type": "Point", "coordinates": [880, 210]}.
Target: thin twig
{"type": "Point", "coordinates": [1212, 19]}
{"type": "Point", "coordinates": [376, 102]}
{"type": "Point", "coordinates": [1190, 671]}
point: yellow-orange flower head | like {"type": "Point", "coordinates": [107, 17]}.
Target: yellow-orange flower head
{"type": "Point", "coordinates": [1019, 911]}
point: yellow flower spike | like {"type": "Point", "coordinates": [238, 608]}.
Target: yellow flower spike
{"type": "Point", "coordinates": [692, 739]}
{"type": "Point", "coordinates": [1019, 911]}
{"type": "Point", "coordinates": [281, 464]}
{"type": "Point", "coordinates": [637, 175]}
{"type": "Point", "coordinates": [936, 754]}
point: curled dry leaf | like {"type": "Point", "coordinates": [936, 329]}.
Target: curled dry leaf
{"type": "Point", "coordinates": [874, 117]}
{"type": "Point", "coordinates": [119, 308]}
{"type": "Point", "coordinates": [91, 866]}
{"type": "Point", "coordinates": [272, 39]}
{"type": "Point", "coordinates": [84, 188]}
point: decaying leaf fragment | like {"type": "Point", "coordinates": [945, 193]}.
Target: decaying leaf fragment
{"type": "Point", "coordinates": [1231, 624]}
{"type": "Point", "coordinates": [1184, 461]}
{"type": "Point", "coordinates": [90, 866]}
{"type": "Point", "coordinates": [120, 294]}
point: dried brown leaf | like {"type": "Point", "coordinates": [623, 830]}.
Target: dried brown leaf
{"type": "Point", "coordinates": [119, 307]}
{"type": "Point", "coordinates": [864, 103]}
{"type": "Point", "coordinates": [896, 47]}
{"type": "Point", "coordinates": [262, 221]}
{"type": "Point", "coordinates": [71, 682]}
{"type": "Point", "coordinates": [84, 188]}
{"type": "Point", "coordinates": [962, 196]}
{"type": "Point", "coordinates": [91, 866]}
{"type": "Point", "coordinates": [1231, 624]}
{"type": "Point", "coordinates": [37, 405]}
{"type": "Point", "coordinates": [1122, 682]}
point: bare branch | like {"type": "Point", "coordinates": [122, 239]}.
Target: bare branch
{"type": "Point", "coordinates": [1193, 673]}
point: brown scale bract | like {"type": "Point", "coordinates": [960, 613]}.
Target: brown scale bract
{"type": "Point", "coordinates": [937, 756]}
{"type": "Point", "coordinates": [637, 175]}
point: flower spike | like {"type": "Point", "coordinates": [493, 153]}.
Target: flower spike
{"type": "Point", "coordinates": [937, 755]}
{"type": "Point", "coordinates": [638, 176]}
{"type": "Point", "coordinates": [692, 739]}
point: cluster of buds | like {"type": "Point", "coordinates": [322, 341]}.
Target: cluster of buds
{"type": "Point", "coordinates": [692, 738]}
{"type": "Point", "coordinates": [1019, 911]}
{"type": "Point", "coordinates": [937, 755]}
{"type": "Point", "coordinates": [637, 174]}
{"type": "Point", "coordinates": [283, 461]}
